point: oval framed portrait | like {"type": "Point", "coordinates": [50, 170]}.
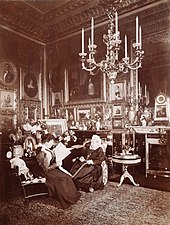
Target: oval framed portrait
{"type": "Point", "coordinates": [56, 78]}
{"type": "Point", "coordinates": [8, 72]}
{"type": "Point", "coordinates": [30, 85]}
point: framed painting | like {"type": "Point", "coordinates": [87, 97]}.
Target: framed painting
{"type": "Point", "coordinates": [57, 98]}
{"type": "Point", "coordinates": [117, 92]}
{"type": "Point", "coordinates": [117, 123]}
{"type": "Point", "coordinates": [8, 72]}
{"type": "Point", "coordinates": [56, 126]}
{"type": "Point", "coordinates": [7, 100]}
{"type": "Point", "coordinates": [30, 86]}
{"type": "Point", "coordinates": [81, 87]}
{"type": "Point", "coordinates": [117, 110]}
{"type": "Point", "coordinates": [71, 114]}
{"type": "Point", "coordinates": [83, 114]}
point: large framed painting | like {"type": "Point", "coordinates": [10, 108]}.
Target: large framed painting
{"type": "Point", "coordinates": [31, 86]}
{"type": "Point", "coordinates": [8, 72]}
{"type": "Point", "coordinates": [82, 87]}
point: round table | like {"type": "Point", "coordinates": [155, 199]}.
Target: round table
{"type": "Point", "coordinates": [126, 160]}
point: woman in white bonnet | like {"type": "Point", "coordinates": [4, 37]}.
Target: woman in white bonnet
{"type": "Point", "coordinates": [87, 170]}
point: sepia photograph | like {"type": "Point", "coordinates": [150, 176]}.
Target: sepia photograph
{"type": "Point", "coordinates": [90, 82]}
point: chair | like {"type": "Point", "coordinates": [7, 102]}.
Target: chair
{"type": "Point", "coordinates": [31, 186]}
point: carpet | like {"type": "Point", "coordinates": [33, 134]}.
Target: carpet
{"type": "Point", "coordinates": [126, 205]}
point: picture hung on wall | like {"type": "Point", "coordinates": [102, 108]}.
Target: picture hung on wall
{"type": "Point", "coordinates": [56, 78]}
{"type": "Point", "coordinates": [8, 72]}
{"type": "Point", "coordinates": [71, 114]}
{"type": "Point", "coordinates": [98, 112]}
{"type": "Point", "coordinates": [83, 87]}
{"type": "Point", "coordinates": [162, 108]}
{"type": "Point", "coordinates": [7, 100]}
{"type": "Point", "coordinates": [31, 88]}
{"type": "Point", "coordinates": [84, 114]}
{"type": "Point", "coordinates": [117, 91]}
{"type": "Point", "coordinates": [57, 98]}
{"type": "Point", "coordinates": [117, 123]}
{"type": "Point", "coordinates": [56, 126]}
{"type": "Point", "coordinates": [117, 110]}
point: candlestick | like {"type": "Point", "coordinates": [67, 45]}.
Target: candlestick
{"type": "Point", "coordinates": [139, 90]}
{"type": "Point", "coordinates": [116, 24]}
{"type": "Point", "coordinates": [145, 92]}
{"type": "Point", "coordinates": [89, 48]}
{"type": "Point", "coordinates": [125, 46]}
{"type": "Point", "coordinates": [82, 40]}
{"type": "Point", "coordinates": [137, 29]}
{"type": "Point", "coordinates": [92, 31]}
{"type": "Point", "coordinates": [140, 37]}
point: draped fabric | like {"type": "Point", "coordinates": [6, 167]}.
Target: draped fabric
{"type": "Point", "coordinates": [87, 176]}
{"type": "Point", "coordinates": [60, 185]}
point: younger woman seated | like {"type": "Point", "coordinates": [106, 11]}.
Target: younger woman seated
{"type": "Point", "coordinates": [60, 184]}
{"type": "Point", "coordinates": [87, 170]}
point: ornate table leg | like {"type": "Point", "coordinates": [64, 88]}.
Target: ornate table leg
{"type": "Point", "coordinates": [126, 174]}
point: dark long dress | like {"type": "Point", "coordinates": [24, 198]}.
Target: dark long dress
{"type": "Point", "coordinates": [89, 176]}
{"type": "Point", "coordinates": [60, 185]}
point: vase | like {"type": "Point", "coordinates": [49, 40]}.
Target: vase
{"type": "Point", "coordinates": [131, 115]}
{"type": "Point", "coordinates": [98, 125]}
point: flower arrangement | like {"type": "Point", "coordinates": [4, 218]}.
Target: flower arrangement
{"type": "Point", "coordinates": [68, 137]}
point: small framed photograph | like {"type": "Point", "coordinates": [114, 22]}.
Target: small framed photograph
{"type": "Point", "coordinates": [7, 99]}
{"type": "Point", "coordinates": [84, 114]}
{"type": "Point", "coordinates": [57, 98]}
{"type": "Point", "coordinates": [117, 123]}
{"type": "Point", "coordinates": [117, 91]}
{"type": "Point", "coordinates": [117, 110]}
{"type": "Point", "coordinates": [71, 114]}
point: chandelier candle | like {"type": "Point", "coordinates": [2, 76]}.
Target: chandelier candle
{"type": "Point", "coordinates": [137, 30]}
{"type": "Point", "coordinates": [111, 65]}
{"type": "Point", "coordinates": [126, 55]}
{"type": "Point", "coordinates": [82, 51]}
{"type": "Point", "coordinates": [92, 32]}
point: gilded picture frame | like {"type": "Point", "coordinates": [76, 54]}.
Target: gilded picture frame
{"type": "Point", "coordinates": [117, 91]}
{"type": "Point", "coordinates": [117, 110]}
{"type": "Point", "coordinates": [81, 87]}
{"type": "Point", "coordinates": [7, 100]}
{"type": "Point", "coordinates": [117, 123]}
{"type": "Point", "coordinates": [8, 72]}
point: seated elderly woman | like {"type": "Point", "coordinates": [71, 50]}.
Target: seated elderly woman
{"type": "Point", "coordinates": [87, 169]}
{"type": "Point", "coordinates": [59, 182]}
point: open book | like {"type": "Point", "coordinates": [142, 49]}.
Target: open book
{"type": "Point", "coordinates": [61, 152]}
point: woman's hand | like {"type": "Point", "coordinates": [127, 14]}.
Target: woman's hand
{"type": "Point", "coordinates": [59, 163]}
{"type": "Point", "coordinates": [82, 159]}
{"type": "Point", "coordinates": [90, 162]}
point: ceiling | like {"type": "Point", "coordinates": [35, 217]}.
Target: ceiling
{"type": "Point", "coordinates": [48, 20]}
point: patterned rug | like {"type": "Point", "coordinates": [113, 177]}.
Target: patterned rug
{"type": "Point", "coordinates": [126, 205]}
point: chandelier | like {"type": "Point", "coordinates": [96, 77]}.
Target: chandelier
{"type": "Point", "coordinates": [111, 65]}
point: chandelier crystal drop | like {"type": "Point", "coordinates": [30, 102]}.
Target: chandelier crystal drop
{"type": "Point", "coordinates": [111, 65]}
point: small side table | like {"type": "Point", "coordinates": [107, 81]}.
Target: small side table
{"type": "Point", "coordinates": [126, 160]}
